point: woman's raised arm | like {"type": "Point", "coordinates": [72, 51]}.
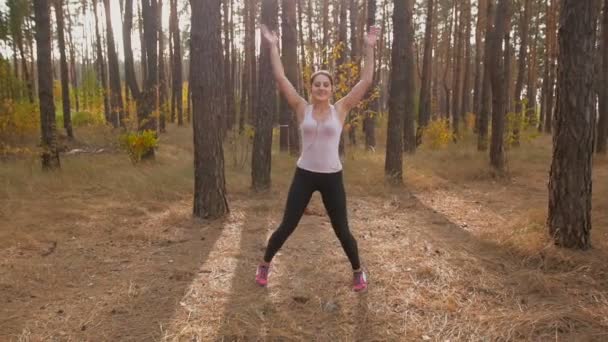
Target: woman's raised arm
{"type": "Point", "coordinates": [345, 104]}
{"type": "Point", "coordinates": [295, 101]}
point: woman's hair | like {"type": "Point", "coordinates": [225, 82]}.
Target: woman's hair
{"type": "Point", "coordinates": [321, 72]}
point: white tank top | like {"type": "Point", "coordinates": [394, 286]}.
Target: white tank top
{"type": "Point", "coordinates": [320, 142]}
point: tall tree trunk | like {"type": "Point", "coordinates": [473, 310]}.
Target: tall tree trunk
{"type": "Point", "coordinates": [457, 81]}
{"type": "Point", "coordinates": [262, 141]}
{"type": "Point", "coordinates": [253, 67]}
{"type": "Point", "coordinates": [228, 85]}
{"type": "Point", "coordinates": [311, 41]}
{"type": "Point", "coordinates": [177, 64]}
{"type": "Point", "coordinates": [289, 57]}
{"type": "Point", "coordinates": [486, 95]}
{"type": "Point", "coordinates": [369, 122]}
{"type": "Point", "coordinates": [548, 79]}
{"type": "Point", "coordinates": [73, 73]}
{"type": "Point", "coordinates": [245, 83]}
{"type": "Point", "coordinates": [206, 46]}
{"type": "Point", "coordinates": [424, 112]}
{"type": "Point", "coordinates": [162, 75]}
{"type": "Point", "coordinates": [146, 121]}
{"type": "Point", "coordinates": [142, 40]}
{"type": "Point", "coordinates": [531, 90]}
{"type": "Point", "coordinates": [523, 52]}
{"type": "Point", "coordinates": [479, 66]}
{"type": "Point", "coordinates": [341, 72]}
{"type": "Point", "coordinates": [50, 155]}
{"type": "Point", "coordinates": [602, 129]}
{"type": "Point", "coordinates": [116, 106]}
{"type": "Point", "coordinates": [499, 82]}
{"type": "Point", "coordinates": [409, 130]}
{"type": "Point", "coordinates": [355, 61]}
{"type": "Point", "coordinates": [448, 62]}
{"type": "Point", "coordinates": [325, 45]}
{"type": "Point", "coordinates": [131, 79]}
{"type": "Point", "coordinates": [101, 66]}
{"type": "Point", "coordinates": [465, 103]}
{"type": "Point", "coordinates": [65, 86]}
{"type": "Point", "coordinates": [27, 77]}
{"type": "Point", "coordinates": [570, 187]}
{"type": "Point", "coordinates": [393, 167]}
{"type": "Point", "coordinates": [294, 139]}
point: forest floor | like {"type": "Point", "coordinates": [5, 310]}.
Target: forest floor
{"type": "Point", "coordinates": [107, 251]}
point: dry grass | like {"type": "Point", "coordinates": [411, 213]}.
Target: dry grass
{"type": "Point", "coordinates": [106, 251]}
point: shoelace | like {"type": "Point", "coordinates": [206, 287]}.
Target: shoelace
{"type": "Point", "coordinates": [359, 278]}
{"type": "Point", "coordinates": [263, 271]}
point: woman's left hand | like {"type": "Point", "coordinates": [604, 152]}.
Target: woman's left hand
{"type": "Point", "coordinates": [372, 36]}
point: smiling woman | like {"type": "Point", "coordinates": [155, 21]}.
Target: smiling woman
{"type": "Point", "coordinates": [319, 167]}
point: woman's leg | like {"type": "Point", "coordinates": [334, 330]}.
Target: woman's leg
{"type": "Point", "coordinates": [334, 199]}
{"type": "Point", "coordinates": [299, 195]}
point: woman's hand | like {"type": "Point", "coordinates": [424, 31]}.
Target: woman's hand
{"type": "Point", "coordinates": [269, 36]}
{"type": "Point", "coordinates": [372, 36]}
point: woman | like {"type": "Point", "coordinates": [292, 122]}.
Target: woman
{"type": "Point", "coordinates": [319, 167]}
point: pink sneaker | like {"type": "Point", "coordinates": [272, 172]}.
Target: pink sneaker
{"type": "Point", "coordinates": [261, 275]}
{"type": "Point", "coordinates": [359, 281]}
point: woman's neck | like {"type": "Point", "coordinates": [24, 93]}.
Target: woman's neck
{"type": "Point", "coordinates": [320, 105]}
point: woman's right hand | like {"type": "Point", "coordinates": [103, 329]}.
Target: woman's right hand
{"type": "Point", "coordinates": [270, 36]}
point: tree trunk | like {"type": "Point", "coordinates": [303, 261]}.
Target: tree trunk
{"type": "Point", "coordinates": [369, 122]}
{"type": "Point", "coordinates": [73, 73]}
{"type": "Point", "coordinates": [424, 112]}
{"type": "Point", "coordinates": [479, 66]}
{"type": "Point", "coordinates": [532, 76]}
{"type": "Point", "coordinates": [393, 167]}
{"type": "Point", "coordinates": [162, 75]}
{"type": "Point", "coordinates": [177, 64]}
{"type": "Point", "coordinates": [63, 63]}
{"type": "Point", "coordinates": [294, 139]}
{"type": "Point", "coordinates": [228, 85]}
{"type": "Point", "coordinates": [131, 79]}
{"type": "Point", "coordinates": [523, 46]}
{"type": "Point", "coordinates": [486, 88]}
{"type": "Point", "coordinates": [602, 129]}
{"type": "Point", "coordinates": [289, 57]}
{"type": "Point", "coordinates": [262, 141]}
{"type": "Point", "coordinates": [146, 121]}
{"type": "Point", "coordinates": [570, 187]}
{"type": "Point", "coordinates": [548, 79]}
{"type": "Point", "coordinates": [245, 83]}
{"type": "Point", "coordinates": [206, 46]}
{"type": "Point", "coordinates": [311, 41]}
{"type": "Point", "coordinates": [116, 106]}
{"type": "Point", "coordinates": [325, 45]}
{"type": "Point", "coordinates": [456, 79]}
{"type": "Point", "coordinates": [50, 155]}
{"type": "Point", "coordinates": [409, 130]}
{"type": "Point", "coordinates": [465, 102]}
{"type": "Point", "coordinates": [499, 82]}
{"type": "Point", "coordinates": [142, 40]}
{"type": "Point", "coordinates": [101, 66]}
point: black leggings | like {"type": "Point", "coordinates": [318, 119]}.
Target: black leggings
{"type": "Point", "coordinates": [331, 187]}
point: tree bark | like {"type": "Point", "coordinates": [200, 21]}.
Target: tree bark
{"type": "Point", "coordinates": [602, 129]}
{"type": "Point", "coordinates": [499, 82]}
{"type": "Point", "coordinates": [393, 167]}
{"type": "Point", "coordinates": [206, 46]}
{"type": "Point", "coordinates": [50, 155]}
{"type": "Point", "coordinates": [424, 112]}
{"type": "Point", "coordinates": [289, 57]}
{"type": "Point", "coordinates": [570, 189]}
{"type": "Point", "coordinates": [116, 105]}
{"type": "Point", "coordinates": [262, 140]}
{"type": "Point", "coordinates": [101, 66]}
{"type": "Point", "coordinates": [63, 64]}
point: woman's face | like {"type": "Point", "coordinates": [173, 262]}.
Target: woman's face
{"type": "Point", "coordinates": [321, 88]}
